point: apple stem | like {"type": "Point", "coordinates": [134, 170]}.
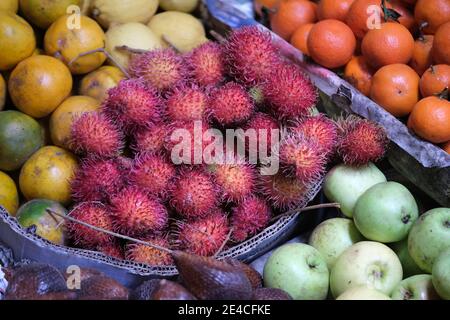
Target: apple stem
{"type": "Point", "coordinates": [300, 210]}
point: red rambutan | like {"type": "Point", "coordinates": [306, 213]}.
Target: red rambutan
{"type": "Point", "coordinates": [250, 54]}
{"type": "Point", "coordinates": [162, 69]}
{"type": "Point", "coordinates": [96, 180]}
{"type": "Point", "coordinates": [94, 134]}
{"type": "Point", "coordinates": [153, 173]}
{"type": "Point", "coordinates": [112, 249]}
{"type": "Point", "coordinates": [187, 103]}
{"type": "Point", "coordinates": [206, 64]}
{"type": "Point", "coordinates": [301, 158]}
{"type": "Point", "coordinates": [137, 213]}
{"type": "Point", "coordinates": [283, 192]}
{"type": "Point", "coordinates": [249, 217]}
{"type": "Point", "coordinates": [151, 138]}
{"type": "Point", "coordinates": [289, 92]}
{"type": "Point", "coordinates": [144, 254]}
{"type": "Point", "coordinates": [194, 194]}
{"type": "Point", "coordinates": [95, 214]}
{"type": "Point", "coordinates": [319, 129]}
{"type": "Point", "coordinates": [205, 236]}
{"type": "Point", "coordinates": [132, 104]}
{"type": "Point", "coordinates": [231, 104]}
{"type": "Point", "coordinates": [361, 141]}
{"type": "Point", "coordinates": [262, 124]}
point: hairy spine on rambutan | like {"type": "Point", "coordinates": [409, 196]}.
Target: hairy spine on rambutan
{"type": "Point", "coordinates": [136, 213]}
{"type": "Point", "coordinates": [112, 249]}
{"type": "Point", "coordinates": [264, 127]}
{"type": "Point", "coordinates": [151, 138]}
{"type": "Point", "coordinates": [141, 253]}
{"type": "Point", "coordinates": [250, 54]}
{"type": "Point", "coordinates": [205, 236]}
{"type": "Point", "coordinates": [206, 64]}
{"type": "Point", "coordinates": [249, 217]}
{"type": "Point", "coordinates": [94, 134]}
{"type": "Point", "coordinates": [187, 103]}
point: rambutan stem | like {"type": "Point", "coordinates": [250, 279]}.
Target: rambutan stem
{"type": "Point", "coordinates": [174, 47]}
{"type": "Point", "coordinates": [300, 210]}
{"type": "Point", "coordinates": [132, 50]}
{"type": "Point", "coordinates": [224, 243]}
{"type": "Point", "coordinates": [217, 36]}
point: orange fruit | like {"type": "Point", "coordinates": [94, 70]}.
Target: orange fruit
{"type": "Point", "coordinates": [331, 43]}
{"type": "Point", "coordinates": [435, 80]}
{"type": "Point", "coordinates": [333, 9]}
{"type": "Point", "coordinates": [441, 44]}
{"type": "Point", "coordinates": [290, 15]}
{"type": "Point", "coordinates": [446, 147]}
{"type": "Point", "coordinates": [406, 16]}
{"type": "Point", "coordinates": [300, 37]}
{"type": "Point", "coordinates": [359, 74]}
{"type": "Point", "coordinates": [430, 119]}
{"type": "Point", "coordinates": [395, 87]}
{"type": "Point", "coordinates": [359, 16]}
{"type": "Point", "coordinates": [391, 43]}
{"type": "Point", "coordinates": [421, 59]}
{"type": "Point", "coordinates": [433, 12]}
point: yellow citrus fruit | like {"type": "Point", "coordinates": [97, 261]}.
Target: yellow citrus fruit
{"type": "Point", "coordinates": [2, 92]}
{"type": "Point", "coordinates": [9, 197]}
{"type": "Point", "coordinates": [42, 13]}
{"type": "Point", "coordinates": [17, 40]}
{"type": "Point", "coordinates": [178, 5]}
{"type": "Point", "coordinates": [67, 44]}
{"type": "Point", "coordinates": [39, 84]}
{"type": "Point", "coordinates": [47, 175]}
{"type": "Point", "coordinates": [62, 118]}
{"type": "Point", "coordinates": [97, 83]}
{"type": "Point", "coordinates": [9, 5]}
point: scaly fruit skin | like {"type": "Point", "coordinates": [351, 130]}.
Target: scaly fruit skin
{"type": "Point", "coordinates": [162, 69]}
{"type": "Point", "coordinates": [263, 124]}
{"type": "Point", "coordinates": [194, 195]}
{"type": "Point", "coordinates": [144, 254]}
{"type": "Point", "coordinates": [231, 104]}
{"type": "Point", "coordinates": [112, 249]}
{"type": "Point", "coordinates": [96, 180]}
{"type": "Point", "coordinates": [152, 173]}
{"type": "Point", "coordinates": [206, 64]}
{"type": "Point", "coordinates": [187, 103]}
{"type": "Point", "coordinates": [203, 237]}
{"type": "Point", "coordinates": [94, 214]}
{"type": "Point", "coordinates": [151, 138]}
{"type": "Point", "coordinates": [362, 141]}
{"type": "Point", "coordinates": [250, 55]}
{"type": "Point", "coordinates": [289, 92]}
{"type": "Point", "coordinates": [300, 158]}
{"type": "Point", "coordinates": [132, 104]}
{"type": "Point", "coordinates": [250, 217]}
{"type": "Point", "coordinates": [136, 213]}
{"type": "Point", "coordinates": [94, 134]}
{"type": "Point", "coordinates": [320, 130]}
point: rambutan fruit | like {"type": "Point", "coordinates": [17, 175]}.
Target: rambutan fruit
{"type": "Point", "coordinates": [136, 213]}
{"type": "Point", "coordinates": [289, 92]}
{"type": "Point", "coordinates": [96, 180]}
{"type": "Point", "coordinates": [205, 236]}
{"type": "Point", "coordinates": [250, 54]}
{"type": "Point", "coordinates": [162, 69]}
{"type": "Point", "coordinates": [361, 141]}
{"type": "Point", "coordinates": [187, 103]}
{"type": "Point", "coordinates": [264, 126]}
{"type": "Point", "coordinates": [282, 192]}
{"type": "Point", "coordinates": [301, 158]}
{"type": "Point", "coordinates": [194, 195]}
{"type": "Point", "coordinates": [144, 254]}
{"type": "Point", "coordinates": [94, 134]}
{"type": "Point", "coordinates": [151, 138]}
{"type": "Point", "coordinates": [319, 129]}
{"type": "Point", "coordinates": [249, 217]}
{"type": "Point", "coordinates": [112, 249]}
{"type": "Point", "coordinates": [95, 214]}
{"type": "Point", "coordinates": [206, 64]}
{"type": "Point", "coordinates": [231, 104]}
{"type": "Point", "coordinates": [132, 104]}
{"type": "Point", "coordinates": [152, 173]}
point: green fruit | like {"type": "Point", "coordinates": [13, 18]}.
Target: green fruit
{"type": "Point", "coordinates": [47, 226]}
{"type": "Point", "coordinates": [429, 236]}
{"type": "Point", "coordinates": [441, 275]}
{"type": "Point", "coordinates": [362, 293]}
{"type": "Point", "coordinates": [418, 287]}
{"type": "Point", "coordinates": [20, 137]}
{"type": "Point", "coordinates": [410, 268]}
{"type": "Point", "coordinates": [386, 212]}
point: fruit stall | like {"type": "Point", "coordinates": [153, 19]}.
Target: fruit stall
{"type": "Point", "coordinates": [224, 150]}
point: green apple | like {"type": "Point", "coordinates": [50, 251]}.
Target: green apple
{"type": "Point", "coordinates": [298, 269]}
{"type": "Point", "coordinates": [366, 263]}
{"type": "Point", "coordinates": [362, 293]}
{"type": "Point", "coordinates": [429, 236]}
{"type": "Point", "coordinates": [441, 275]}
{"type": "Point", "coordinates": [333, 236]}
{"type": "Point", "coordinates": [345, 184]}
{"type": "Point", "coordinates": [410, 268]}
{"type": "Point", "coordinates": [418, 287]}
{"type": "Point", "coordinates": [386, 212]}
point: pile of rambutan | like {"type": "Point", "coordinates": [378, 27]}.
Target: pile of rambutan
{"type": "Point", "coordinates": [134, 180]}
